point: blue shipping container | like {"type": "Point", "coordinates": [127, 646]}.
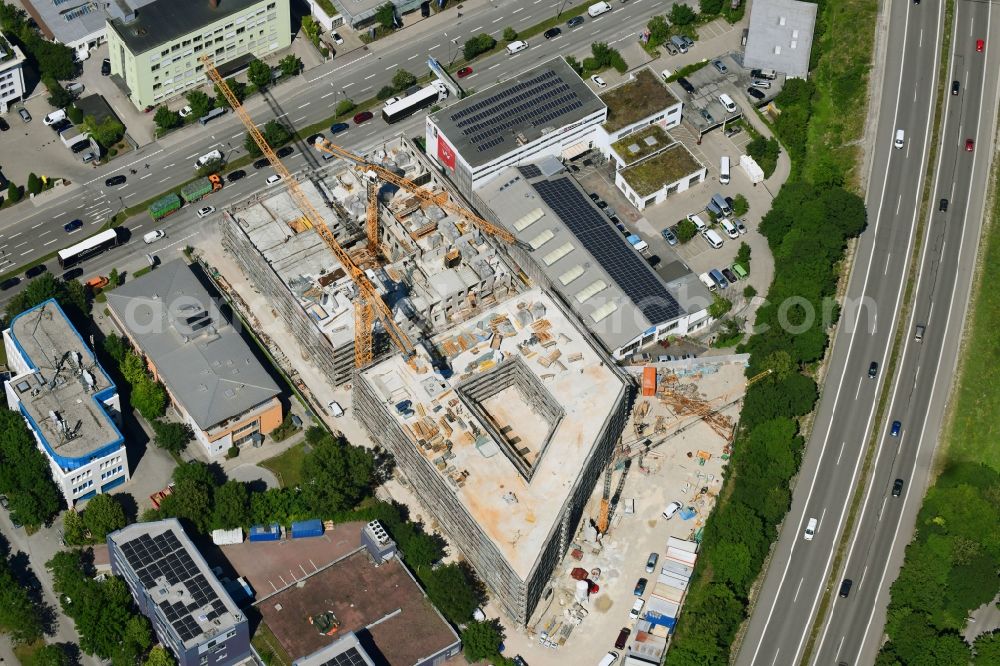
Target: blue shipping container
{"type": "Point", "coordinates": [307, 528]}
{"type": "Point", "coordinates": [265, 532]}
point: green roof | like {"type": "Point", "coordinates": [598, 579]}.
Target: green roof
{"type": "Point", "coordinates": [661, 169]}
{"type": "Point", "coordinates": [641, 144]}
{"type": "Point", "coordinates": [639, 98]}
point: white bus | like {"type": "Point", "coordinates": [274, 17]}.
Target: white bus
{"type": "Point", "coordinates": [410, 104]}
{"type": "Point", "coordinates": [88, 248]}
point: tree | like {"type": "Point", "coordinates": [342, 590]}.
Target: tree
{"type": "Point", "coordinates": [232, 505]}
{"type": "Point", "coordinates": [274, 133]}
{"type": "Point", "coordinates": [135, 642]}
{"type": "Point", "coordinates": [477, 45]}
{"type": "Point", "coordinates": [159, 656]}
{"type": "Point", "coordinates": [71, 296]}
{"type": "Point", "coordinates": [54, 59]}
{"type": "Point", "coordinates": [710, 7]}
{"type": "Point", "coordinates": [34, 184]}
{"type": "Point", "coordinates": [166, 119]}
{"type": "Point", "coordinates": [682, 14]}
{"type": "Point", "coordinates": [20, 618]}
{"type": "Point", "coordinates": [345, 106]}
{"type": "Point", "coordinates": [290, 65]}
{"type": "Point", "coordinates": [192, 496]}
{"type": "Point", "coordinates": [75, 114]}
{"type": "Point", "coordinates": [24, 473]}
{"type": "Point", "coordinates": [575, 64]}
{"type": "Point", "coordinates": [214, 165]}
{"type": "Point", "coordinates": [59, 97]}
{"type": "Point", "coordinates": [149, 398]}
{"type": "Point", "coordinates": [385, 16]}
{"type": "Point", "coordinates": [259, 73]}
{"type": "Point", "coordinates": [740, 205]}
{"type": "Point", "coordinates": [719, 307]}
{"type": "Point", "coordinates": [336, 476]}
{"type": "Point", "coordinates": [743, 255]}
{"type": "Point", "coordinates": [659, 31]}
{"type": "Point", "coordinates": [172, 436]}
{"type": "Point", "coordinates": [509, 34]}
{"type": "Point", "coordinates": [238, 88]}
{"type": "Point", "coordinates": [200, 103]}
{"type": "Point", "coordinates": [749, 292]}
{"type": "Point", "coordinates": [987, 648]}
{"type": "Point", "coordinates": [133, 367]}
{"type": "Point", "coordinates": [482, 640]}
{"type": "Point", "coordinates": [451, 589]}
{"type": "Point", "coordinates": [51, 655]}
{"type": "Point", "coordinates": [103, 515]}
{"type": "Point", "coordinates": [686, 230]}
{"type": "Point", "coordinates": [107, 132]}
{"type": "Point", "coordinates": [74, 530]}
{"type": "Point", "coordinates": [402, 80]}
{"type": "Point", "coordinates": [14, 192]}
{"type": "Point", "coordinates": [385, 92]}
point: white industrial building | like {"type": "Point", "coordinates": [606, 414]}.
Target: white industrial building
{"type": "Point", "coordinates": [780, 36]}
{"type": "Point", "coordinates": [70, 404]}
{"type": "Point", "coordinates": [11, 74]}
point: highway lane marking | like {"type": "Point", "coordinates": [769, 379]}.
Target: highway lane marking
{"type": "Point", "coordinates": [517, 10]}
{"type": "Point", "coordinates": [301, 107]}
{"type": "Point", "coordinates": [775, 660]}
{"type": "Point", "coordinates": [881, 511]}
{"type": "Point", "coordinates": [146, 176]}
{"type": "Point", "coordinates": [841, 646]}
{"type": "Point", "coordinates": [390, 67]}
{"type": "Point", "coordinates": [899, 202]}
{"type": "Point", "coordinates": [799, 587]}
{"type": "Point", "coordinates": [25, 253]}
{"type": "Point", "coordinates": [347, 85]}
{"type": "Point", "coordinates": [170, 165]}
{"type": "Point", "coordinates": [21, 244]}
{"type": "Point", "coordinates": [412, 57]}
{"type": "Point", "coordinates": [58, 215]}
{"type": "Point", "coordinates": [920, 42]}
{"type": "Point", "coordinates": [298, 120]}
{"type": "Point", "coordinates": [858, 392]}
{"type": "Point", "coordinates": [472, 76]}
{"type": "Point", "coordinates": [129, 195]}
{"type": "Point", "coordinates": [282, 115]}
{"type": "Point", "coordinates": [38, 225]}
{"type": "Point", "coordinates": [826, 436]}
{"type": "Point", "coordinates": [371, 77]}
{"type": "Point", "coordinates": [191, 155]}
{"type": "Point", "coordinates": [13, 236]}
{"type": "Point", "coordinates": [45, 233]}
{"type": "Point", "coordinates": [326, 95]}
{"type": "Point", "coordinates": [50, 242]}
{"type": "Point", "coordinates": [337, 69]}
{"type": "Point", "coordinates": [477, 29]}
{"type": "Point", "coordinates": [235, 136]}
{"type": "Point", "coordinates": [366, 89]}
{"type": "Point", "coordinates": [494, 66]}
{"type": "Point", "coordinates": [435, 47]}
{"type": "Point", "coordinates": [887, 258]}
{"type": "Point", "coordinates": [498, 20]}
{"type": "Point", "coordinates": [863, 574]}
{"type": "Point", "coordinates": [842, 445]}
{"type": "Point", "coordinates": [164, 180]}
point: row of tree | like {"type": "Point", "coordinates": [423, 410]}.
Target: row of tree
{"type": "Point", "coordinates": [602, 57]}
{"type": "Point", "coordinates": [20, 617]}
{"type": "Point", "coordinates": [102, 515]}
{"type": "Point", "coordinates": [25, 477]}
{"type": "Point", "coordinates": [147, 395]}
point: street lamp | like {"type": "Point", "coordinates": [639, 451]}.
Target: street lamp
{"type": "Point", "coordinates": [561, 8]}
{"type": "Point", "coordinates": [454, 53]}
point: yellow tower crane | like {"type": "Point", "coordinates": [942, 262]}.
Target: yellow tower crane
{"type": "Point", "coordinates": [369, 304]}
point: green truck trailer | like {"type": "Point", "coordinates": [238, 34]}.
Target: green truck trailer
{"type": "Point", "coordinates": [194, 191]}
{"type": "Point", "coordinates": [164, 206]}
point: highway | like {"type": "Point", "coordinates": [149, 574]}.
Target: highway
{"type": "Point", "coordinates": [796, 581]}
{"type": "Point", "coordinates": [27, 233]}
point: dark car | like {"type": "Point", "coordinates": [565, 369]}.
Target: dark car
{"type": "Point", "coordinates": [339, 127]}
{"type": "Point", "coordinates": [234, 176]}
{"type": "Point", "coordinates": [955, 86]}
{"type": "Point", "coordinates": [640, 587]}
{"type": "Point", "coordinates": [622, 638]}
{"type": "Point", "coordinates": [70, 227]}
{"type": "Point", "coordinates": [897, 426]}
{"type": "Point", "coordinates": [653, 260]}
{"type": "Point", "coordinates": [362, 117]}
{"type": "Point", "coordinates": [80, 146]}
{"type": "Point", "coordinates": [3, 125]}
{"type": "Point", "coordinates": [115, 180]}
{"type": "Point", "coordinates": [601, 204]}
{"type": "Point", "coordinates": [284, 152]}
{"type": "Point", "coordinates": [897, 488]}
{"type": "Point", "coordinates": [575, 22]}
{"type": "Point", "coordinates": [315, 138]}
{"type": "Point", "coordinates": [845, 587]}
{"type": "Point", "coordinates": [943, 206]}
{"type": "Point", "coordinates": [106, 67]}
{"type": "Point", "coordinates": [8, 283]}
{"type": "Point", "coordinates": [464, 72]}
{"type": "Point", "coordinates": [732, 131]}
{"type": "Point", "coordinates": [669, 236]}
{"type": "Point", "coordinates": [686, 85]}
{"type": "Point", "coordinates": [261, 163]}
{"type": "Point", "coordinates": [519, 660]}
{"type": "Point", "coordinates": [873, 370]}
{"type": "Point", "coordinates": [35, 271]}
{"type": "Point", "coordinates": [706, 115]}
{"type": "Point", "coordinates": [729, 275]}
{"type": "Point", "coordinates": [72, 274]}
{"type": "Point", "coordinates": [594, 196]}
{"type": "Point", "coordinates": [552, 32]}
{"type": "Point", "coordinates": [756, 94]}
{"type": "Point", "coordinates": [61, 126]}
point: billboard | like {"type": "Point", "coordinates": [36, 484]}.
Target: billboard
{"type": "Point", "coordinates": [446, 154]}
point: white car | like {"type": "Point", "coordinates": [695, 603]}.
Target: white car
{"type": "Point", "coordinates": [335, 409]}
{"type": "Point", "coordinates": [186, 111]}
{"type": "Point", "coordinates": [337, 39]}
{"type": "Point", "coordinates": [274, 178]}
{"type": "Point", "coordinates": [598, 81]}
{"type": "Point", "coordinates": [636, 608]}
{"type": "Point", "coordinates": [206, 211]}
{"type": "Point", "coordinates": [671, 509]}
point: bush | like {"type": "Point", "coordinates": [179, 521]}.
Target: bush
{"type": "Point", "coordinates": [681, 14]}
{"type": "Point", "coordinates": [233, 452]}
{"type": "Point", "coordinates": [743, 255]}
{"type": "Point", "coordinates": [75, 115]}
{"type": "Point", "coordinates": [685, 230]}
{"type": "Point", "coordinates": [710, 7]}
{"type": "Point", "coordinates": [749, 292]}
{"type": "Point", "coordinates": [740, 205]}
{"type": "Point", "coordinates": [385, 92]}
{"type": "Point", "coordinates": [477, 46]}
{"type": "Point", "coordinates": [59, 97]}
{"type": "Point", "coordinates": [575, 64]}
{"type": "Point", "coordinates": [509, 34]}
{"type": "Point", "coordinates": [402, 80]}
{"type": "Point", "coordinates": [765, 152]}
{"type": "Point", "coordinates": [166, 119]}
{"type": "Point", "coordinates": [344, 107]}
{"type": "Point", "coordinates": [112, 152]}
{"type": "Point", "coordinates": [385, 16]}
{"type": "Point", "coordinates": [14, 192]}
{"type": "Point", "coordinates": [34, 184]}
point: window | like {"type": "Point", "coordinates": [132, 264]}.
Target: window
{"type": "Point", "coordinates": [197, 48]}
{"type": "Point", "coordinates": [218, 39]}
{"type": "Point", "coordinates": [164, 52]}
{"type": "Point", "coordinates": [187, 42]}
{"type": "Point", "coordinates": [220, 51]}
{"type": "Point", "coordinates": [197, 38]}
{"type": "Point", "coordinates": [228, 26]}
{"type": "Point", "coordinates": [240, 31]}
{"type": "Point", "coordinates": [272, 5]}
{"type": "Point", "coordinates": [154, 67]}
{"type": "Point", "coordinates": [175, 47]}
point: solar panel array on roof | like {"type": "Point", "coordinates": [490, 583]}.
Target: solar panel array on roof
{"type": "Point", "coordinates": [164, 557]}
{"type": "Point", "coordinates": [349, 657]}
{"type": "Point", "coordinates": [629, 271]}
{"type": "Point", "coordinates": [530, 171]}
{"type": "Point", "coordinates": [535, 102]}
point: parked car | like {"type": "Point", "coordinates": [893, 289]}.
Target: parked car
{"type": "Point", "coordinates": [575, 22]}
{"type": "Point", "coordinates": [89, 157]}
{"type": "Point", "coordinates": [8, 284]}
{"type": "Point", "coordinates": [651, 562]}
{"type": "Point", "coordinates": [552, 32]}
{"type": "Point", "coordinates": [25, 116]}
{"type": "Point", "coordinates": [706, 115]}
{"type": "Point", "coordinates": [70, 227]}
{"type": "Point", "coordinates": [337, 39]}
{"type": "Point", "coordinates": [729, 275]}
{"type": "Point", "coordinates": [284, 152]}
{"type": "Point", "coordinates": [115, 181]}
{"type": "Point", "coordinates": [61, 125]}
{"type": "Point", "coordinates": [688, 42]}
{"type": "Point", "coordinates": [671, 509]}
{"type": "Point", "coordinates": [740, 227]}
{"type": "Point", "coordinates": [732, 131]}
{"type": "Point", "coordinates": [594, 196]}
{"type": "Point", "coordinates": [362, 117]}
{"type": "Point", "coordinates": [72, 274]}
{"type": "Point", "coordinates": [669, 236]}
{"type": "Point", "coordinates": [4, 502]}
{"type": "Point", "coordinates": [464, 72]}
{"type": "Point", "coordinates": [80, 146]}
{"type": "Point", "coordinates": [205, 211]}
{"type": "Point", "coordinates": [756, 94]}
{"type": "Point", "coordinates": [686, 85]}
{"type": "Point", "coordinates": [636, 609]}
{"type": "Point", "coordinates": [185, 111]}
{"type": "Point", "coordinates": [106, 67]}
{"type": "Point", "coordinates": [719, 66]}
{"type": "Point", "coordinates": [640, 587]}
{"type": "Point", "coordinates": [598, 81]}
{"type": "Point", "coordinates": [622, 638]}
{"type": "Point", "coordinates": [35, 271]}
{"type": "Point", "coordinates": [234, 176]}
{"type": "Point", "coordinates": [337, 128]}
{"type": "Point", "coordinates": [315, 138]}
{"type": "Point", "coordinates": [671, 49]}
{"type": "Point", "coordinates": [261, 163]}
{"type": "Point", "coordinates": [3, 125]}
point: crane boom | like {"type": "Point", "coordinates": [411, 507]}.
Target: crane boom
{"type": "Point", "coordinates": [372, 301]}
{"type": "Point", "coordinates": [421, 192]}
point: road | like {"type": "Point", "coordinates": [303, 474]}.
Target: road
{"type": "Point", "coordinates": [797, 578]}
{"type": "Point", "coordinates": [27, 233]}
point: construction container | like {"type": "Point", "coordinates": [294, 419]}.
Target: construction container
{"type": "Point", "coordinates": [307, 528]}
{"type": "Point", "coordinates": [265, 532]}
{"type": "Point", "coordinates": [227, 537]}
{"type": "Point", "coordinates": [649, 381]}
{"type": "Point", "coordinates": [164, 206]}
{"type": "Point", "coordinates": [194, 191]}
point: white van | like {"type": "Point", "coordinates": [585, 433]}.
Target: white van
{"type": "Point", "coordinates": [724, 170]}
{"type": "Point", "coordinates": [712, 238]}
{"type": "Point", "coordinates": [608, 659]}
{"type": "Point", "coordinates": [598, 8]}
{"type": "Point", "coordinates": [729, 228]}
{"type": "Point", "coordinates": [900, 139]}
{"type": "Point", "coordinates": [707, 281]}
{"type": "Point", "coordinates": [810, 530]}
{"type": "Point", "coordinates": [208, 157]}
{"type": "Point", "coordinates": [54, 117]}
{"type": "Point", "coordinates": [516, 47]}
{"type": "Point", "coordinates": [153, 236]}
{"type": "Point", "coordinates": [698, 222]}
{"type": "Point", "coordinates": [727, 102]}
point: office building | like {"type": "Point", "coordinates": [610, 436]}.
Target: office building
{"type": "Point", "coordinates": [70, 404]}
{"type": "Point", "coordinates": [190, 610]}
{"type": "Point", "coordinates": [82, 26]}
{"type": "Point", "coordinates": [11, 74]}
{"type": "Point", "coordinates": [780, 36]}
{"type": "Point", "coordinates": [214, 380]}
{"type": "Point", "coordinates": [155, 48]}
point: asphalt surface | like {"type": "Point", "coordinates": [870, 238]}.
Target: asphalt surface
{"type": "Point", "coordinates": [27, 233]}
{"type": "Point", "coordinates": [797, 577]}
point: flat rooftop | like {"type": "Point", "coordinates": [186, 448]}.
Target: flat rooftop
{"type": "Point", "coordinates": [162, 21]}
{"type": "Point", "coordinates": [643, 96]}
{"type": "Point", "coordinates": [780, 36]}
{"type": "Point", "coordinates": [642, 144]}
{"type": "Point", "coordinates": [198, 353]}
{"type": "Point", "coordinates": [522, 109]}
{"type": "Point", "coordinates": [529, 399]}
{"type": "Point", "coordinates": [177, 579]}
{"type": "Point", "coordinates": [383, 605]}
{"type": "Point", "coordinates": [70, 22]}
{"type": "Point", "coordinates": [63, 398]}
{"type": "Point", "coordinates": [661, 169]}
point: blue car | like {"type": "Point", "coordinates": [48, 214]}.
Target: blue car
{"type": "Point", "coordinates": [896, 427]}
{"type": "Point", "coordinates": [70, 227]}
{"type": "Point", "coordinates": [640, 587]}
{"type": "Point", "coordinates": [339, 127]}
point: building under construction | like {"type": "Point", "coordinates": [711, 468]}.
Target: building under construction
{"type": "Point", "coordinates": [505, 446]}
{"type": "Point", "coordinates": [434, 268]}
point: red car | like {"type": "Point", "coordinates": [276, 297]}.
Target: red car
{"type": "Point", "coordinates": [464, 72]}
{"type": "Point", "coordinates": [969, 145]}
{"type": "Point", "coordinates": [362, 117]}
{"type": "Point", "coordinates": [979, 45]}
